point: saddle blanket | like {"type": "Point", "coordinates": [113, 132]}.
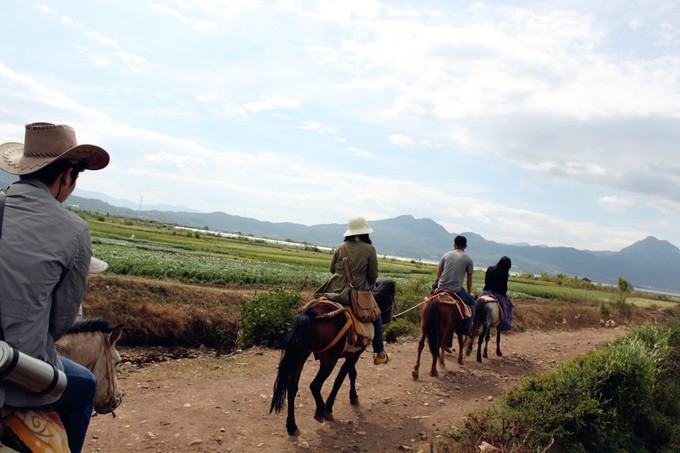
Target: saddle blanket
{"type": "Point", "coordinates": [38, 431]}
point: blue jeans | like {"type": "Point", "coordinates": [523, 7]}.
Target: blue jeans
{"type": "Point", "coordinates": [75, 405]}
{"type": "Point", "coordinates": [377, 343]}
{"type": "Point", "coordinates": [467, 324]}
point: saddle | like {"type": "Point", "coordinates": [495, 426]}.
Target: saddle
{"type": "Point", "coordinates": [358, 335]}
{"type": "Point", "coordinates": [489, 299]}
{"type": "Point", "coordinates": [32, 430]}
{"type": "Point", "coordinates": [450, 298]}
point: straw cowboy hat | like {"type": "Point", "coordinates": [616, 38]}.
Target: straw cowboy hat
{"type": "Point", "coordinates": [358, 225]}
{"type": "Point", "coordinates": [46, 143]}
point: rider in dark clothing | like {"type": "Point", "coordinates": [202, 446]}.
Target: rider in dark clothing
{"type": "Point", "coordinates": [496, 286]}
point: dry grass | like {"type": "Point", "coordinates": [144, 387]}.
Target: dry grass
{"type": "Point", "coordinates": [168, 313]}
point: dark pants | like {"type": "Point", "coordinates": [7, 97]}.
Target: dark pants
{"type": "Point", "coordinates": [467, 324]}
{"type": "Point", "coordinates": [378, 345]}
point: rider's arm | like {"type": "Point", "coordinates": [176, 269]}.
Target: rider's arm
{"type": "Point", "coordinates": [68, 293]}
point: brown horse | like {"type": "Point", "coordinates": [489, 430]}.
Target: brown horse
{"type": "Point", "coordinates": [442, 312]}
{"type": "Point", "coordinates": [323, 329]}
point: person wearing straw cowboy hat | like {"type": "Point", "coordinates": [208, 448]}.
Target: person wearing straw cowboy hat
{"type": "Point", "coordinates": [363, 265]}
{"type": "Point", "coordinates": [45, 255]}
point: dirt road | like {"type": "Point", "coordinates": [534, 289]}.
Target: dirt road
{"type": "Point", "coordinates": [222, 404]}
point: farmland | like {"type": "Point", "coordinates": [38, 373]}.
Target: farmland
{"type": "Point", "coordinates": [168, 273]}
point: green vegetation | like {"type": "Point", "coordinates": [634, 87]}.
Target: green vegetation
{"type": "Point", "coordinates": [267, 319]}
{"type": "Point", "coordinates": [182, 287]}
{"type": "Point", "coordinates": [165, 253]}
{"type": "Point", "coordinates": [622, 397]}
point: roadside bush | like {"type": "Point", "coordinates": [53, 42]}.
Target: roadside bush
{"type": "Point", "coordinates": [623, 397]}
{"type": "Point", "coordinates": [267, 318]}
{"type": "Point", "coordinates": [398, 328]}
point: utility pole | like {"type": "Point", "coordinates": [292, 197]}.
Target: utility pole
{"type": "Point", "coordinates": [140, 202]}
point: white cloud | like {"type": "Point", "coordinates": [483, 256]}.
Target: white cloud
{"type": "Point", "coordinates": [401, 141]}
{"type": "Point", "coordinates": [272, 102]}
{"type": "Point", "coordinates": [615, 204]}
{"type": "Point", "coordinates": [359, 152]}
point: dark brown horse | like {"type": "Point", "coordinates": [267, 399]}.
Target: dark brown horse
{"type": "Point", "coordinates": [443, 312]}
{"type": "Point", "coordinates": [323, 329]}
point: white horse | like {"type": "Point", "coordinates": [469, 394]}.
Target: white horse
{"type": "Point", "coordinates": [91, 342]}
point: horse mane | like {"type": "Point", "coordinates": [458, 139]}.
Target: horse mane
{"type": "Point", "coordinates": [91, 325]}
{"type": "Point", "coordinates": [384, 294]}
{"type": "Point", "coordinates": [385, 287]}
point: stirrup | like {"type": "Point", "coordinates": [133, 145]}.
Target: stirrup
{"type": "Point", "coordinates": [382, 360]}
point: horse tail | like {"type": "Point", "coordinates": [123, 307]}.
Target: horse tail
{"type": "Point", "coordinates": [296, 342]}
{"type": "Point", "coordinates": [432, 317]}
{"type": "Point", "coordinates": [479, 317]}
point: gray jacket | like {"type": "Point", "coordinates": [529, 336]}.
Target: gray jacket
{"type": "Point", "coordinates": [45, 252]}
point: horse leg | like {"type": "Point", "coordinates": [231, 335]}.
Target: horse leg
{"type": "Point", "coordinates": [487, 336]}
{"type": "Point", "coordinates": [293, 386]}
{"type": "Point", "coordinates": [421, 345]}
{"type": "Point", "coordinates": [326, 366]}
{"type": "Point", "coordinates": [345, 369]}
{"type": "Point", "coordinates": [498, 343]}
{"type": "Point", "coordinates": [479, 346]}
{"type": "Point", "coordinates": [461, 340]}
{"type": "Point", "coordinates": [353, 396]}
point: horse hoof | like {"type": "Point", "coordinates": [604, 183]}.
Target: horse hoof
{"type": "Point", "coordinates": [354, 401]}
{"type": "Point", "coordinates": [318, 418]}
{"type": "Point", "coordinates": [434, 374]}
{"type": "Point", "coordinates": [479, 359]}
{"type": "Point", "coordinates": [414, 375]}
{"type": "Point", "coordinates": [294, 433]}
{"type": "Point", "coordinates": [499, 354]}
{"type": "Point", "coordinates": [460, 362]}
{"type": "Point", "coordinates": [329, 417]}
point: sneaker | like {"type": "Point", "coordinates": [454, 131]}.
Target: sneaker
{"type": "Point", "coordinates": [382, 360]}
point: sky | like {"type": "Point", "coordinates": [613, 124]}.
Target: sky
{"type": "Point", "coordinates": [540, 122]}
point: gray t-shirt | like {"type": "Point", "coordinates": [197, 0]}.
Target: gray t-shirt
{"type": "Point", "coordinates": [454, 264]}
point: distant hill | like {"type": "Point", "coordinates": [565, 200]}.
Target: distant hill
{"type": "Point", "coordinates": [649, 263]}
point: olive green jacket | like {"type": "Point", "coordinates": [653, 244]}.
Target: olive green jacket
{"type": "Point", "coordinates": [363, 267]}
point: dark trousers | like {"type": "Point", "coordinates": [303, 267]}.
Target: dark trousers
{"type": "Point", "coordinates": [467, 325]}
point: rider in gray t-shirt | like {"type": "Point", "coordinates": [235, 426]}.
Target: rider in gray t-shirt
{"type": "Point", "coordinates": [454, 267]}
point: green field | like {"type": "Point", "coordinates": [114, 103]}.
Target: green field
{"type": "Point", "coordinates": [159, 251]}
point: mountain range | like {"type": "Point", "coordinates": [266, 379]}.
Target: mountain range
{"type": "Point", "coordinates": [650, 263]}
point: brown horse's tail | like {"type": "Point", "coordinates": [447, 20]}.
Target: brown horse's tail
{"type": "Point", "coordinates": [432, 318]}
{"type": "Point", "coordinates": [296, 343]}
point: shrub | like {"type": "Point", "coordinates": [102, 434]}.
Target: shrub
{"type": "Point", "coordinates": [400, 327]}
{"type": "Point", "coordinates": [622, 397]}
{"type": "Point", "coordinates": [267, 318]}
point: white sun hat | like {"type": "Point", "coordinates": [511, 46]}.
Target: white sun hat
{"type": "Point", "coordinates": [97, 266]}
{"type": "Point", "coordinates": [356, 226]}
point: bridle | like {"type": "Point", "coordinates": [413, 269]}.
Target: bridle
{"type": "Point", "coordinates": [110, 370]}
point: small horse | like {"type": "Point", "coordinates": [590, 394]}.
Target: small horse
{"type": "Point", "coordinates": [488, 314]}
{"type": "Point", "coordinates": [323, 329]}
{"type": "Point", "coordinates": [90, 342]}
{"type": "Point", "coordinates": [441, 313]}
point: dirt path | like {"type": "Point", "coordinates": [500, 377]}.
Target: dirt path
{"type": "Point", "coordinates": [222, 405]}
